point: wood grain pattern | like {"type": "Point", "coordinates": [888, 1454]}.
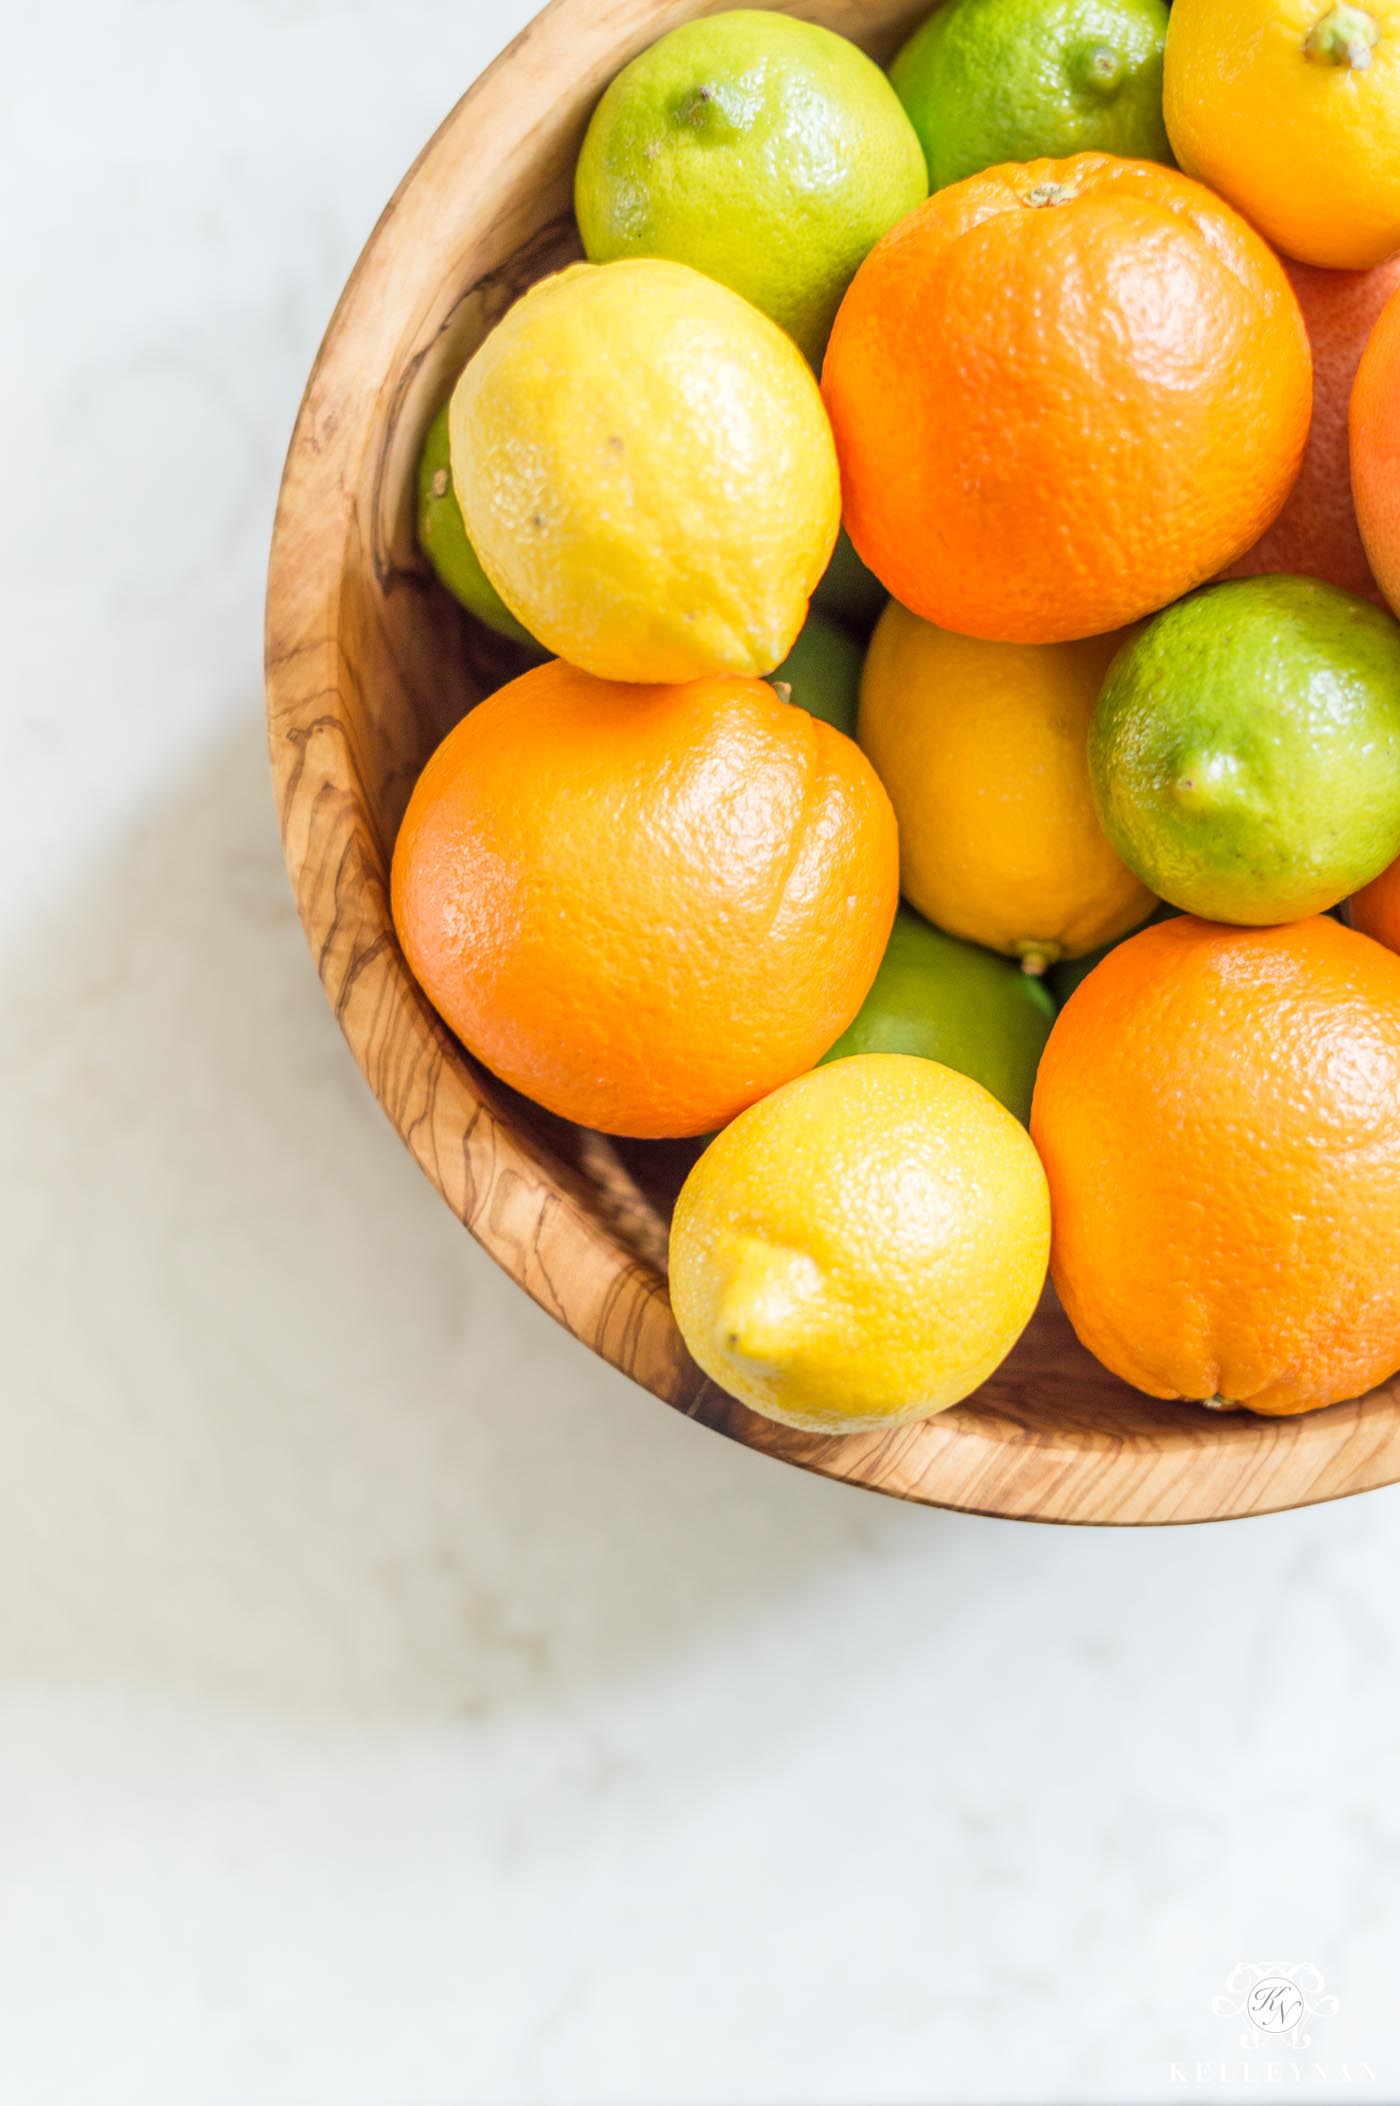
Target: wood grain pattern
{"type": "Point", "coordinates": [368, 663]}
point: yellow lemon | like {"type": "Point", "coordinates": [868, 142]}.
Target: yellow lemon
{"type": "Point", "coordinates": [646, 471]}
{"type": "Point", "coordinates": [983, 748]}
{"type": "Point", "coordinates": [863, 1247]}
{"type": "Point", "coordinates": [1291, 110]}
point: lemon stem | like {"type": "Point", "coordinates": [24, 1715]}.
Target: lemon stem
{"type": "Point", "coordinates": [1037, 958]}
{"type": "Point", "coordinates": [1345, 36]}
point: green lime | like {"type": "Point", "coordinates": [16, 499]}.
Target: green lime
{"type": "Point", "coordinates": [1073, 972]}
{"type": "Point", "coordinates": [849, 591]}
{"type": "Point", "coordinates": [442, 536]}
{"type": "Point", "coordinates": [947, 1000]}
{"type": "Point", "coordinates": [987, 81]}
{"type": "Point", "coordinates": [823, 671]}
{"type": "Point", "coordinates": [1245, 751]}
{"type": "Point", "coordinates": [768, 153]}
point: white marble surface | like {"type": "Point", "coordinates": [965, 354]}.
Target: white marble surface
{"type": "Point", "coordinates": [397, 1708]}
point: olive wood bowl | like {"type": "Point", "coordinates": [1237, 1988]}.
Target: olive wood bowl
{"type": "Point", "coordinates": [368, 664]}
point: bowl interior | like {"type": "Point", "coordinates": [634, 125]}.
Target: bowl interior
{"type": "Point", "coordinates": [370, 662]}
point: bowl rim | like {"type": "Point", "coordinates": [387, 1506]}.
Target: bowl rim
{"type": "Point", "coordinates": [1160, 1468]}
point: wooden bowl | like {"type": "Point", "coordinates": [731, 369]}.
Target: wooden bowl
{"type": "Point", "coordinates": [369, 662]}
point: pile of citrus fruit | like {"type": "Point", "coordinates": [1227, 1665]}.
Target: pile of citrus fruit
{"type": "Point", "coordinates": [1066, 357]}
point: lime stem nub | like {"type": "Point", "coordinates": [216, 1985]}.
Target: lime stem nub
{"type": "Point", "coordinates": [1345, 36]}
{"type": "Point", "coordinates": [1099, 69]}
{"type": "Point", "coordinates": [701, 109]}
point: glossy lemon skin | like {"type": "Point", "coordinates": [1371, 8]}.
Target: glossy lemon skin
{"type": "Point", "coordinates": [646, 471]}
{"type": "Point", "coordinates": [863, 1247]}
{"type": "Point", "coordinates": [983, 748]}
{"type": "Point", "coordinates": [1307, 149]}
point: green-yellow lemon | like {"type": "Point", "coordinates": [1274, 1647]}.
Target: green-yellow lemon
{"type": "Point", "coordinates": [767, 152]}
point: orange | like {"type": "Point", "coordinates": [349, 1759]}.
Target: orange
{"type": "Point", "coordinates": [1316, 534]}
{"type": "Point", "coordinates": [1375, 909]}
{"type": "Point", "coordinates": [646, 907]}
{"type": "Point", "coordinates": [1375, 450]}
{"type": "Point", "coordinates": [1216, 1115]}
{"type": "Point", "coordinates": [1065, 392]}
